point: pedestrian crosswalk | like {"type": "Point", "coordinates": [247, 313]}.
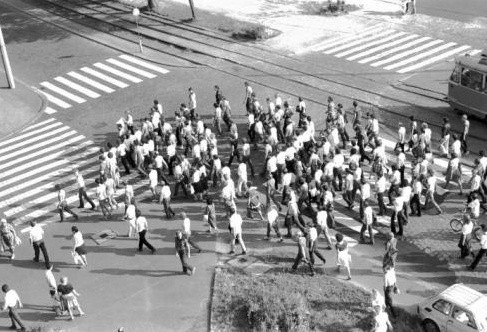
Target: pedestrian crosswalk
{"type": "Point", "coordinates": [34, 161]}
{"type": "Point", "coordinates": [77, 87]}
{"type": "Point", "coordinates": [390, 49]}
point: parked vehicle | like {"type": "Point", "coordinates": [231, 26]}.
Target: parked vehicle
{"type": "Point", "coordinates": [458, 308]}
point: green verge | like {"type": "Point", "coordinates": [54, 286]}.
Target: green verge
{"type": "Point", "coordinates": [293, 302]}
{"type": "Point", "coordinates": [228, 26]}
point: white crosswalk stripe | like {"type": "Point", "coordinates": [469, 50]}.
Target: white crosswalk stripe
{"type": "Point", "coordinates": [117, 72]}
{"type": "Point", "coordinates": [36, 125]}
{"type": "Point", "coordinates": [75, 86]}
{"type": "Point", "coordinates": [63, 92]}
{"type": "Point", "coordinates": [390, 49]}
{"type": "Point", "coordinates": [90, 81]}
{"type": "Point", "coordinates": [144, 64]}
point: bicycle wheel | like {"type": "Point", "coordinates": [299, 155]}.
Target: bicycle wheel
{"type": "Point", "coordinates": [456, 225]}
{"type": "Point", "coordinates": [477, 232]}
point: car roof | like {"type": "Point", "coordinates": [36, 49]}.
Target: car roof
{"type": "Point", "coordinates": [466, 297]}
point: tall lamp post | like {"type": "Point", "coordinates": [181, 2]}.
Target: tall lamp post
{"type": "Point", "coordinates": [136, 13]}
{"type": "Point", "coordinates": [6, 62]}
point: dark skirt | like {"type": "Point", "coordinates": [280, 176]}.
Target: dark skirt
{"type": "Point", "coordinates": [81, 250]}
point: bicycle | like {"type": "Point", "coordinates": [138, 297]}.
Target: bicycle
{"type": "Point", "coordinates": [456, 224]}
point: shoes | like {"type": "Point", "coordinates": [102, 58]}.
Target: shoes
{"type": "Point", "coordinates": [81, 207]}
{"type": "Point", "coordinates": [288, 236]}
{"type": "Point", "coordinates": [13, 327]}
{"type": "Point", "coordinates": [35, 260]}
{"type": "Point", "coordinates": [153, 251]}
{"type": "Point", "coordinates": [93, 208]}
{"type": "Point", "coordinates": [349, 278]}
{"type": "Point", "coordinates": [231, 252]}
{"type": "Point", "coordinates": [244, 253]}
{"type": "Point", "coordinates": [199, 251]}
{"type": "Point", "coordinates": [266, 238]}
{"type": "Point", "coordinates": [329, 248]}
{"type": "Point", "coordinates": [76, 217]}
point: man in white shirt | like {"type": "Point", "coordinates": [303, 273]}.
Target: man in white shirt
{"type": "Point", "coordinates": [272, 222]}
{"type": "Point", "coordinates": [153, 181]}
{"type": "Point", "coordinates": [141, 226]}
{"type": "Point", "coordinates": [191, 102]}
{"type": "Point", "coordinates": [187, 231]}
{"type": "Point", "coordinates": [242, 179]}
{"type": "Point", "coordinates": [246, 156]}
{"type": "Point", "coordinates": [398, 213]}
{"type": "Point", "coordinates": [312, 238]}
{"type": "Point", "coordinates": [236, 231]}
{"type": "Point", "coordinates": [101, 194]}
{"type": "Point", "coordinates": [483, 248]}
{"type": "Point", "coordinates": [165, 199]}
{"type": "Point", "coordinates": [36, 237]}
{"type": "Point", "coordinates": [367, 221]}
{"type": "Point", "coordinates": [431, 189]}
{"type": "Point", "coordinates": [63, 204]}
{"type": "Point", "coordinates": [12, 303]}
{"type": "Point", "coordinates": [82, 191]}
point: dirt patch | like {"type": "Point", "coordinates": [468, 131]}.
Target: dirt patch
{"type": "Point", "coordinates": [228, 26]}
{"type": "Point", "coordinates": [330, 8]}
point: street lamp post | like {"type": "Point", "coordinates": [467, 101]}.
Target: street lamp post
{"type": "Point", "coordinates": [6, 62]}
{"type": "Point", "coordinates": [136, 13]}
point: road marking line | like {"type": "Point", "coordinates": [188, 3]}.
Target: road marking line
{"type": "Point", "coordinates": [340, 40]}
{"type": "Point", "coordinates": [394, 50]}
{"type": "Point", "coordinates": [117, 72]}
{"type": "Point", "coordinates": [35, 162]}
{"type": "Point", "coordinates": [55, 100]}
{"type": "Point", "coordinates": [420, 56]}
{"type": "Point", "coordinates": [104, 77]}
{"type": "Point", "coordinates": [41, 144]}
{"type": "Point", "coordinates": [50, 110]}
{"type": "Point", "coordinates": [44, 177]}
{"type": "Point", "coordinates": [381, 47]}
{"type": "Point", "coordinates": [47, 186]}
{"type": "Point", "coordinates": [408, 52]}
{"type": "Point", "coordinates": [44, 168]}
{"type": "Point", "coordinates": [17, 146]}
{"type": "Point", "coordinates": [144, 64]}
{"type": "Point", "coordinates": [89, 81]}
{"type": "Point", "coordinates": [131, 68]}
{"type": "Point", "coordinates": [30, 133]}
{"type": "Point", "coordinates": [434, 59]}
{"type": "Point", "coordinates": [76, 86]}
{"type": "Point", "coordinates": [49, 196]}
{"type": "Point", "coordinates": [39, 124]}
{"type": "Point", "coordinates": [359, 41]}
{"type": "Point", "coordinates": [367, 45]}
{"type": "Point", "coordinates": [49, 149]}
{"type": "Point", "coordinates": [63, 92]}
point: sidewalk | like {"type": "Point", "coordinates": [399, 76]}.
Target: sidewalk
{"type": "Point", "coordinates": [19, 106]}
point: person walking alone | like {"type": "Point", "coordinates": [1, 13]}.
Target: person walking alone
{"type": "Point", "coordinates": [142, 227]}
{"type": "Point", "coordinates": [483, 248]}
{"type": "Point", "coordinates": [183, 251]}
{"type": "Point", "coordinates": [36, 236]}
{"type": "Point", "coordinates": [187, 231]}
{"type": "Point", "coordinates": [63, 204]}
{"type": "Point", "coordinates": [12, 303]}
{"type": "Point", "coordinates": [82, 191]}
{"type": "Point", "coordinates": [79, 246]}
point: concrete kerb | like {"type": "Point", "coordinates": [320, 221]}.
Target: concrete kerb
{"type": "Point", "coordinates": [32, 119]}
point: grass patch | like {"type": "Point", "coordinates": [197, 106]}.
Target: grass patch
{"type": "Point", "coordinates": [293, 302]}
{"type": "Point", "coordinates": [329, 8]}
{"type": "Point", "coordinates": [241, 30]}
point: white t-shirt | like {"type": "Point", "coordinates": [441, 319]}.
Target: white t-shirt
{"type": "Point", "coordinates": [236, 223]}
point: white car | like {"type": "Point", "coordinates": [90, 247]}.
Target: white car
{"type": "Point", "coordinates": [457, 309]}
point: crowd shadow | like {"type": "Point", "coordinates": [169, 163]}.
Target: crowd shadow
{"type": "Point", "coordinates": [137, 272]}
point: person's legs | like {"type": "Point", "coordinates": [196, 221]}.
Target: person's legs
{"type": "Point", "coordinates": [36, 251]}
{"type": "Point", "coordinates": [241, 241]}
{"type": "Point", "coordinates": [42, 246]}
{"type": "Point", "coordinates": [193, 244]}
{"type": "Point", "coordinates": [80, 196]}
{"type": "Point", "coordinates": [88, 199]}
{"type": "Point", "coordinates": [15, 318]}
{"type": "Point", "coordinates": [68, 210]}
{"type": "Point", "coordinates": [478, 258]}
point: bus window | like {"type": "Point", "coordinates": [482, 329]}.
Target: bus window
{"type": "Point", "coordinates": [472, 79]}
{"type": "Point", "coordinates": [455, 75]}
{"type": "Point", "coordinates": [485, 84]}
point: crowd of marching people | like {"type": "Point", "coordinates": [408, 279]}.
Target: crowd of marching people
{"type": "Point", "coordinates": [304, 171]}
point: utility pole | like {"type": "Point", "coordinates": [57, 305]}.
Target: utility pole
{"type": "Point", "coordinates": [6, 62]}
{"type": "Point", "coordinates": [191, 5]}
{"type": "Point", "coordinates": [136, 13]}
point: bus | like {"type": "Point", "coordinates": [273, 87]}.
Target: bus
{"type": "Point", "coordinates": [467, 87]}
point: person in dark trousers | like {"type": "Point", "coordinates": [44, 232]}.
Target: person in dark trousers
{"type": "Point", "coordinates": [36, 236]}
{"type": "Point", "coordinates": [313, 246]}
{"type": "Point", "coordinates": [183, 251]}
{"type": "Point", "coordinates": [301, 256]}
{"type": "Point", "coordinates": [142, 227]}
{"type": "Point", "coordinates": [390, 288]}
{"type": "Point", "coordinates": [12, 303]}
{"type": "Point", "coordinates": [63, 204]}
{"type": "Point", "coordinates": [82, 191]}
{"type": "Point", "coordinates": [483, 248]}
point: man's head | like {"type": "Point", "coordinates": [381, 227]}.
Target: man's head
{"type": "Point", "coordinates": [32, 223]}
{"type": "Point", "coordinates": [64, 280]}
{"type": "Point", "coordinates": [5, 288]}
